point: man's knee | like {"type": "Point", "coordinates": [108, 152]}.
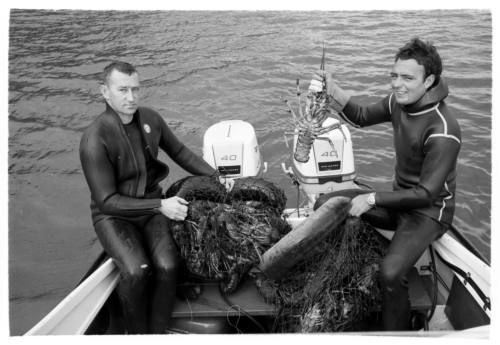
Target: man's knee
{"type": "Point", "coordinates": [391, 273]}
{"type": "Point", "coordinates": [166, 268]}
{"type": "Point", "coordinates": [137, 274]}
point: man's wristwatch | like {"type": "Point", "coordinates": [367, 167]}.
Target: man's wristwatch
{"type": "Point", "coordinates": [371, 199]}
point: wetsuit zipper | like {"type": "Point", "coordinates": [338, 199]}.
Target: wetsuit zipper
{"type": "Point", "coordinates": [133, 156]}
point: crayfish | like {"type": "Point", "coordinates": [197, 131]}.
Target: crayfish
{"type": "Point", "coordinates": [309, 123]}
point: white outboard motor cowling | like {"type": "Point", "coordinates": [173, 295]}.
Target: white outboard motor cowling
{"type": "Point", "coordinates": [231, 147]}
{"type": "Point", "coordinates": [331, 163]}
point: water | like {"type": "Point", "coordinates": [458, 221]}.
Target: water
{"type": "Point", "coordinates": [198, 68]}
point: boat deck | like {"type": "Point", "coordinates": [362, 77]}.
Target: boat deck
{"type": "Point", "coordinates": [212, 312]}
{"type": "Point", "coordinates": [247, 298]}
{"type": "Point", "coordinates": [212, 304]}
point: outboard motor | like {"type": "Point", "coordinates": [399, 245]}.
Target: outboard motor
{"type": "Point", "coordinates": [231, 147]}
{"type": "Point", "coordinates": [331, 164]}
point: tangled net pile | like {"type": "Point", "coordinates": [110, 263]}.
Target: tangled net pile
{"type": "Point", "coordinates": [225, 234]}
{"type": "Point", "coordinates": [335, 287]}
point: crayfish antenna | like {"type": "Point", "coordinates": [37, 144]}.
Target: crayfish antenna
{"type": "Point", "coordinates": [290, 110]}
{"type": "Point", "coordinates": [298, 96]}
{"type": "Point", "coordinates": [322, 66]}
{"type": "Point", "coordinates": [329, 128]}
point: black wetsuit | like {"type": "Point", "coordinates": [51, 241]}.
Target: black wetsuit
{"type": "Point", "coordinates": [420, 208]}
{"type": "Point", "coordinates": [122, 170]}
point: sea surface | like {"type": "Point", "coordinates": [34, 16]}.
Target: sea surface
{"type": "Point", "coordinates": [198, 68]}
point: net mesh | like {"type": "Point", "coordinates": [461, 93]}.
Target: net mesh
{"type": "Point", "coordinates": [198, 188]}
{"type": "Point", "coordinates": [335, 287]}
{"type": "Point", "coordinates": [224, 235]}
{"type": "Point", "coordinates": [259, 190]}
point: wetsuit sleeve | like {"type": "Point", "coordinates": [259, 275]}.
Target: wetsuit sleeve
{"type": "Point", "coordinates": [440, 159]}
{"type": "Point", "coordinates": [362, 116]}
{"type": "Point", "coordinates": [182, 155]}
{"type": "Point", "coordinates": [100, 177]}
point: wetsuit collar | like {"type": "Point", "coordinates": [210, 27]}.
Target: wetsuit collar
{"type": "Point", "coordinates": [429, 99]}
{"type": "Point", "coordinates": [110, 110]}
{"type": "Point", "coordinates": [144, 127]}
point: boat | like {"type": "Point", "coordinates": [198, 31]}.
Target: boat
{"type": "Point", "coordinates": [449, 285]}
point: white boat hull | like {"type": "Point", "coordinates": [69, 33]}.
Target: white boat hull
{"type": "Point", "coordinates": [75, 313]}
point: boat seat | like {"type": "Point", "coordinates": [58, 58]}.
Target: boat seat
{"type": "Point", "coordinates": [210, 303]}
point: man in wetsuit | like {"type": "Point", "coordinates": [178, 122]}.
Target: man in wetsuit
{"type": "Point", "coordinates": [427, 141]}
{"type": "Point", "coordinates": [118, 152]}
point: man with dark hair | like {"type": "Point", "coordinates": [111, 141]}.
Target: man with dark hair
{"type": "Point", "coordinates": [118, 152]}
{"type": "Point", "coordinates": [427, 142]}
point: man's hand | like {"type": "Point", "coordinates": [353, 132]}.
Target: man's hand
{"type": "Point", "coordinates": [227, 182]}
{"type": "Point", "coordinates": [339, 96]}
{"type": "Point", "coordinates": [316, 84]}
{"type": "Point", "coordinates": [359, 205]}
{"type": "Point", "coordinates": [174, 208]}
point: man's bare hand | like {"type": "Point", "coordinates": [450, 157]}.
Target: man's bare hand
{"type": "Point", "coordinates": [174, 208]}
{"type": "Point", "coordinates": [359, 205]}
{"type": "Point", "coordinates": [340, 97]}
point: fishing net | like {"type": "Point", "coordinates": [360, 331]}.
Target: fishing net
{"type": "Point", "coordinates": [198, 188]}
{"type": "Point", "coordinates": [335, 287]}
{"type": "Point", "coordinates": [263, 193]}
{"type": "Point", "coordinates": [224, 235]}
